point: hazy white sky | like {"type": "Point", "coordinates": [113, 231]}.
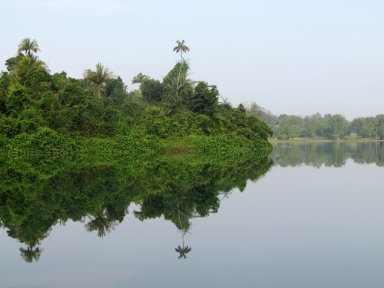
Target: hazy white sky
{"type": "Point", "coordinates": [289, 56]}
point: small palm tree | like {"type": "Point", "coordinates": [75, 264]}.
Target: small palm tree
{"type": "Point", "coordinates": [28, 47]}
{"type": "Point", "coordinates": [98, 78]}
{"type": "Point", "coordinates": [139, 78]}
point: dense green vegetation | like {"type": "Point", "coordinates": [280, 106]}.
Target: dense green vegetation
{"type": "Point", "coordinates": [39, 192]}
{"type": "Point", "coordinates": [318, 126]}
{"type": "Point", "coordinates": [42, 112]}
{"type": "Point", "coordinates": [87, 148]}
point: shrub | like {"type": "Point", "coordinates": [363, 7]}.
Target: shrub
{"type": "Point", "coordinates": [43, 141]}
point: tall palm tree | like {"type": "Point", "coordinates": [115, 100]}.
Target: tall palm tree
{"type": "Point", "coordinates": [180, 48]}
{"type": "Point", "coordinates": [28, 47]}
{"type": "Point", "coordinates": [98, 78]}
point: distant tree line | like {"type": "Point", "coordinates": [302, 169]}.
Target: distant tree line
{"type": "Point", "coordinates": [320, 126]}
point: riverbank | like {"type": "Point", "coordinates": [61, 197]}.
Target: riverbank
{"type": "Point", "coordinates": [137, 146]}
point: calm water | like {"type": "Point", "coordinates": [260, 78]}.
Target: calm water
{"type": "Point", "coordinates": [313, 218]}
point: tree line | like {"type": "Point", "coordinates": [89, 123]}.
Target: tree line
{"type": "Point", "coordinates": [33, 100]}
{"type": "Point", "coordinates": [327, 126]}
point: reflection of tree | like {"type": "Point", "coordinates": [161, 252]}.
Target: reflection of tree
{"type": "Point", "coordinates": [30, 234]}
{"type": "Point", "coordinates": [101, 222]}
{"type": "Point", "coordinates": [183, 250]}
{"type": "Point", "coordinates": [30, 253]}
{"type": "Point", "coordinates": [36, 194]}
{"type": "Point", "coordinates": [327, 154]}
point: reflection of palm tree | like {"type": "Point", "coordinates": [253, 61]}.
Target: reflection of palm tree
{"type": "Point", "coordinates": [180, 48]}
{"type": "Point", "coordinates": [30, 235]}
{"type": "Point", "coordinates": [101, 223]}
{"type": "Point", "coordinates": [30, 253]}
{"type": "Point", "coordinates": [183, 251]}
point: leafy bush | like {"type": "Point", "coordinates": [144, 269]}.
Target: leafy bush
{"type": "Point", "coordinates": [9, 127]}
{"type": "Point", "coordinates": [43, 141]}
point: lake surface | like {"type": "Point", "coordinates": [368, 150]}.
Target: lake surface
{"type": "Point", "coordinates": [312, 218]}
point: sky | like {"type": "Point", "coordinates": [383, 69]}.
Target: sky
{"type": "Point", "coordinates": [289, 56]}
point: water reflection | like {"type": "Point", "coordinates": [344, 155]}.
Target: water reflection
{"type": "Point", "coordinates": [38, 193]}
{"type": "Point", "coordinates": [183, 250]}
{"type": "Point", "coordinates": [100, 221]}
{"type": "Point", "coordinates": [328, 154]}
{"type": "Point", "coordinates": [30, 253]}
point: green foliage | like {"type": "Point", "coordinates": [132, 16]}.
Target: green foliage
{"type": "Point", "coordinates": [34, 75]}
{"type": "Point", "coordinates": [99, 107]}
{"type": "Point", "coordinates": [226, 147]}
{"type": "Point", "coordinates": [9, 127]}
{"type": "Point", "coordinates": [151, 90]}
{"type": "Point", "coordinates": [337, 126]}
{"type": "Point", "coordinates": [4, 84]}
{"type": "Point", "coordinates": [18, 98]}
{"type": "Point", "coordinates": [204, 99]}
{"type": "Point", "coordinates": [366, 127]}
{"type": "Point", "coordinates": [3, 142]}
{"type": "Point", "coordinates": [139, 78]}
{"type": "Point", "coordinates": [328, 126]}
{"type": "Point", "coordinates": [380, 126]}
{"type": "Point", "coordinates": [115, 92]}
{"type": "Point", "coordinates": [262, 114]}
{"type": "Point", "coordinates": [177, 87]}
{"type": "Point", "coordinates": [44, 140]}
{"type": "Point", "coordinates": [289, 126]}
{"type": "Point", "coordinates": [85, 147]}
{"type": "Point", "coordinates": [28, 47]}
{"type": "Point", "coordinates": [98, 78]}
{"type": "Point", "coordinates": [11, 62]}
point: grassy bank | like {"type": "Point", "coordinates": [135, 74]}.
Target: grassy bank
{"type": "Point", "coordinates": [137, 146]}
